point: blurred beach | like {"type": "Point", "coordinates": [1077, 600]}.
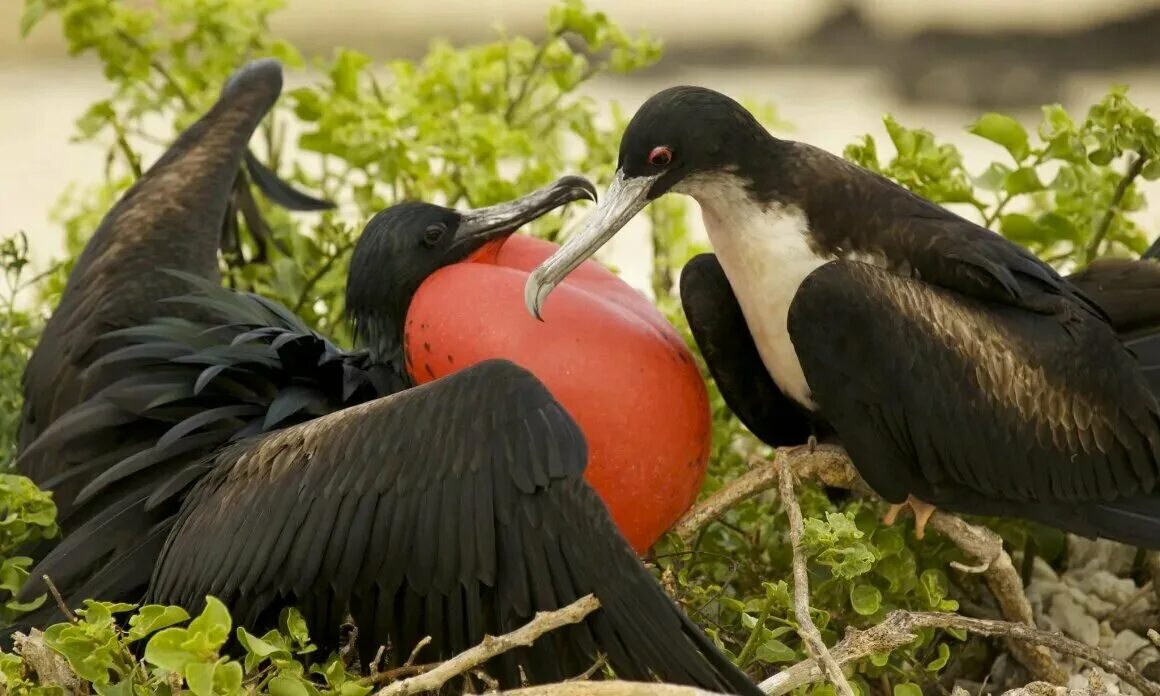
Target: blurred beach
{"type": "Point", "coordinates": [831, 68]}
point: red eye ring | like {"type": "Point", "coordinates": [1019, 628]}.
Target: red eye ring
{"type": "Point", "coordinates": [660, 156]}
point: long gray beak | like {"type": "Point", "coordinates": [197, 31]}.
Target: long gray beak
{"type": "Point", "coordinates": [479, 226]}
{"type": "Point", "coordinates": [623, 200]}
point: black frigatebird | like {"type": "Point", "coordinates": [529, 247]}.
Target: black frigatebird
{"type": "Point", "coordinates": [956, 368]}
{"type": "Point", "coordinates": [172, 217]}
{"type": "Point", "coordinates": [451, 509]}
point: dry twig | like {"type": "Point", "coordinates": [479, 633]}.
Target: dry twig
{"type": "Point", "coordinates": [60, 603]}
{"type": "Point", "coordinates": [831, 466]}
{"type": "Point", "coordinates": [494, 645]}
{"type": "Point", "coordinates": [801, 590]}
{"type": "Point", "coordinates": [609, 688]}
{"type": "Point", "coordinates": [899, 629]}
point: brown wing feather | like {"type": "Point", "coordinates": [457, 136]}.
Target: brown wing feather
{"type": "Point", "coordinates": [452, 510]}
{"type": "Point", "coordinates": [946, 397]}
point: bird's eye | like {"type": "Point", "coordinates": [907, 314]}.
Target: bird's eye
{"type": "Point", "coordinates": [660, 156]}
{"type": "Point", "coordinates": [433, 234]}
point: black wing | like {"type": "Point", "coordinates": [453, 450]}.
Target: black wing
{"type": "Point", "coordinates": [976, 406]}
{"type": "Point", "coordinates": [853, 210]}
{"type": "Point", "coordinates": [723, 337]}
{"type": "Point", "coordinates": [170, 218]}
{"type": "Point", "coordinates": [128, 455]}
{"type": "Point", "coordinates": [455, 509]}
{"type": "Point", "coordinates": [1127, 289]}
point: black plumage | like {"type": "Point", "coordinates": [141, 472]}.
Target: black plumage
{"type": "Point", "coordinates": [268, 467]}
{"type": "Point", "coordinates": [453, 509]}
{"type": "Point", "coordinates": [172, 217]}
{"type": "Point", "coordinates": [957, 368]}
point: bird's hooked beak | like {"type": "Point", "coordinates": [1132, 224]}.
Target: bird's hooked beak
{"type": "Point", "coordinates": [626, 196]}
{"type": "Point", "coordinates": [479, 226]}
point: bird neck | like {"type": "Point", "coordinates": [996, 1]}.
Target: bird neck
{"type": "Point", "coordinates": [766, 251]}
{"type": "Point", "coordinates": [383, 338]}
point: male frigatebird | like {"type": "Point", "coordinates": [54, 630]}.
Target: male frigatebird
{"type": "Point", "coordinates": [277, 472]}
{"type": "Point", "coordinates": [172, 217]}
{"type": "Point", "coordinates": [649, 445]}
{"type": "Point", "coordinates": [957, 369]}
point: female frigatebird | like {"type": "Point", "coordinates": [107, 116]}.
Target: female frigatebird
{"type": "Point", "coordinates": [957, 369]}
{"type": "Point", "coordinates": [172, 217]}
{"type": "Point", "coordinates": [281, 473]}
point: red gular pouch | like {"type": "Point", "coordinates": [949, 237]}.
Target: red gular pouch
{"type": "Point", "coordinates": [606, 354]}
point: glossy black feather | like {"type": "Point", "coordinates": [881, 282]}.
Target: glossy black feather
{"type": "Point", "coordinates": [364, 507]}
{"type": "Point", "coordinates": [170, 218]}
{"type": "Point", "coordinates": [168, 413]}
{"type": "Point", "coordinates": [974, 405]}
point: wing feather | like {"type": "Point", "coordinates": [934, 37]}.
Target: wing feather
{"type": "Point", "coordinates": [453, 510]}
{"type": "Point", "coordinates": [957, 400]}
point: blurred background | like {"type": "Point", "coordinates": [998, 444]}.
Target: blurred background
{"type": "Point", "coordinates": [832, 68]}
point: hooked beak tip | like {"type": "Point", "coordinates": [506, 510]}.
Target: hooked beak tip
{"type": "Point", "coordinates": [534, 295]}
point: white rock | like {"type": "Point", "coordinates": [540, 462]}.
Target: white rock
{"type": "Point", "coordinates": [1099, 553]}
{"type": "Point", "coordinates": [1071, 618]}
{"type": "Point", "coordinates": [1099, 582]}
{"type": "Point", "coordinates": [1127, 644]}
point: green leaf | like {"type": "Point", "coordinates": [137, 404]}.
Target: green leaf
{"type": "Point", "coordinates": [934, 583]}
{"type": "Point", "coordinates": [287, 686]}
{"type": "Point", "coordinates": [1022, 180]}
{"type": "Point", "coordinates": [907, 689]}
{"type": "Point", "coordinates": [772, 651]}
{"type": "Point", "coordinates": [152, 618]}
{"type": "Point", "coordinates": [345, 72]}
{"type": "Point", "coordinates": [1101, 157]}
{"type": "Point", "coordinates": [993, 177]}
{"type": "Point", "coordinates": [199, 677]}
{"type": "Point", "coordinates": [214, 622]}
{"type": "Point", "coordinates": [866, 599]}
{"type": "Point", "coordinates": [1004, 131]}
{"type": "Point", "coordinates": [1022, 229]}
{"type": "Point", "coordinates": [33, 12]}
{"type": "Point", "coordinates": [944, 656]}
{"type": "Point", "coordinates": [167, 650]}
{"type": "Point", "coordinates": [121, 688]}
{"type": "Point", "coordinates": [227, 678]}
{"type": "Point", "coordinates": [879, 659]}
{"type": "Point", "coordinates": [1151, 170]}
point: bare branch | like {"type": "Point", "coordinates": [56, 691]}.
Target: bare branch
{"type": "Point", "coordinates": [762, 477]}
{"type": "Point", "coordinates": [831, 466]}
{"type": "Point", "coordinates": [60, 603]}
{"type": "Point", "coordinates": [609, 688]}
{"type": "Point", "coordinates": [491, 646]}
{"type": "Point", "coordinates": [801, 590]}
{"type": "Point", "coordinates": [899, 629]}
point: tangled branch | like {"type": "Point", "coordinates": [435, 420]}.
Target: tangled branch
{"type": "Point", "coordinates": [801, 590]}
{"type": "Point", "coordinates": [831, 466]}
{"type": "Point", "coordinates": [492, 646]}
{"type": "Point", "coordinates": [899, 629]}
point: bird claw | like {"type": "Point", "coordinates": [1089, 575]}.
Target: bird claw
{"type": "Point", "coordinates": [810, 447]}
{"type": "Point", "coordinates": [922, 514]}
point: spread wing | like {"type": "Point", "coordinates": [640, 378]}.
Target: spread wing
{"type": "Point", "coordinates": [127, 455]}
{"type": "Point", "coordinates": [967, 404]}
{"type": "Point", "coordinates": [455, 509]}
{"type": "Point", "coordinates": [172, 217]}
{"type": "Point", "coordinates": [723, 337]}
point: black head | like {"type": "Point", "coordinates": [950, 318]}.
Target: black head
{"type": "Point", "coordinates": [404, 244]}
{"type": "Point", "coordinates": [677, 134]}
{"type": "Point", "coordinates": [686, 130]}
